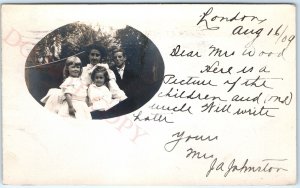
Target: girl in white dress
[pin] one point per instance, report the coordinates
(95, 54)
(74, 90)
(99, 94)
(55, 97)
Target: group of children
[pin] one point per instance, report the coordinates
(85, 89)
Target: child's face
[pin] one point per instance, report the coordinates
(119, 59)
(94, 56)
(74, 70)
(99, 79)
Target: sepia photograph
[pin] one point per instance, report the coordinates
(85, 72)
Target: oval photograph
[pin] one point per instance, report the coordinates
(85, 71)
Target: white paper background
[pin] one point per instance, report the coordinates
(50, 150)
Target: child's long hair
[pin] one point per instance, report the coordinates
(70, 61)
(101, 70)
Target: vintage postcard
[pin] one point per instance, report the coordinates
(149, 94)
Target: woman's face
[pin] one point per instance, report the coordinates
(94, 57)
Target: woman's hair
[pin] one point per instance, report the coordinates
(101, 70)
(98, 47)
(70, 61)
